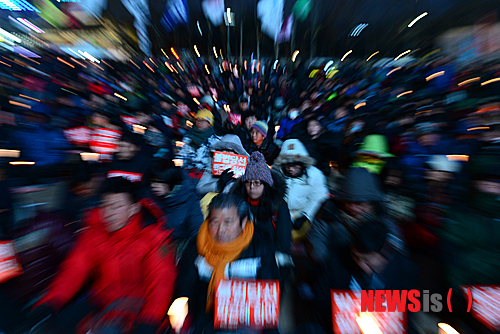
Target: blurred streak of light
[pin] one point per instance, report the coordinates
(416, 19)
(258, 67)
(182, 68)
(404, 93)
(347, 53)
(435, 75)
(421, 112)
(179, 144)
(17, 163)
(206, 69)
(151, 60)
(196, 50)
(120, 96)
(213, 97)
(457, 157)
(76, 54)
(99, 67)
(178, 162)
(134, 63)
(29, 97)
(65, 62)
(30, 25)
(394, 70)
(149, 67)
(230, 67)
(196, 101)
(490, 81)
(431, 53)
(164, 54)
(402, 54)
(107, 64)
(89, 156)
(20, 63)
(215, 52)
(224, 65)
(465, 82)
(277, 128)
(29, 59)
(367, 324)
(76, 61)
(199, 28)
(245, 65)
(20, 104)
(9, 153)
(8, 47)
(446, 329)
(10, 36)
(221, 56)
(359, 105)
(275, 63)
(189, 124)
(69, 91)
(294, 56)
(174, 53)
(493, 108)
(479, 128)
(168, 65)
(1, 62)
(373, 54)
(140, 129)
(228, 14)
(358, 29)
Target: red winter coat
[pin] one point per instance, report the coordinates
(132, 262)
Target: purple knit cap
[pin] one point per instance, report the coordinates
(257, 169)
(261, 127)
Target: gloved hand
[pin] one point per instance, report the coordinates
(144, 329)
(297, 223)
(224, 178)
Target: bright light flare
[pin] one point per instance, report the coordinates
(435, 75)
(373, 54)
(137, 128)
(206, 69)
(359, 105)
(457, 157)
(465, 82)
(367, 324)
(14, 103)
(294, 56)
(147, 65)
(196, 50)
(215, 52)
(21, 163)
(446, 329)
(490, 81)
(174, 53)
(416, 19)
(196, 101)
(77, 62)
(402, 54)
(65, 62)
(404, 93)
(347, 53)
(89, 156)
(30, 25)
(120, 96)
(134, 63)
(9, 36)
(394, 70)
(228, 13)
(9, 153)
(29, 97)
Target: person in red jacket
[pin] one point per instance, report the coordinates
(129, 270)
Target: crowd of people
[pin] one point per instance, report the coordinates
(368, 178)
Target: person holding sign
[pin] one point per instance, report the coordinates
(128, 268)
(228, 246)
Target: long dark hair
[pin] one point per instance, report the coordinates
(272, 198)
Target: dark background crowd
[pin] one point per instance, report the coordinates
(368, 178)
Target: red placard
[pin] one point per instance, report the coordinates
(235, 162)
(9, 264)
(346, 310)
(78, 136)
(234, 118)
(193, 90)
(105, 142)
(485, 304)
(253, 304)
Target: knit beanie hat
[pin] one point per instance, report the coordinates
(257, 169)
(261, 127)
(206, 115)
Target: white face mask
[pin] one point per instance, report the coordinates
(293, 114)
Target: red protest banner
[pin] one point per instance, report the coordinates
(485, 301)
(234, 118)
(78, 136)
(235, 162)
(253, 304)
(9, 264)
(105, 142)
(348, 318)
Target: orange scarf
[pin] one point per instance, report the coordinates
(218, 255)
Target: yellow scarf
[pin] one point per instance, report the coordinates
(219, 254)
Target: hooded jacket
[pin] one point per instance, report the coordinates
(182, 209)
(134, 262)
(306, 193)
